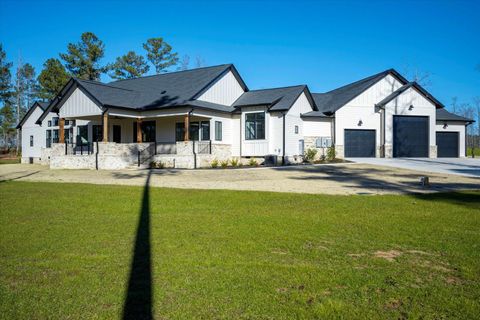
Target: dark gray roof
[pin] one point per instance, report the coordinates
(444, 115)
(404, 88)
(315, 114)
(277, 99)
(43, 105)
(331, 101)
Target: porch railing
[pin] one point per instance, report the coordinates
(202, 147)
(166, 148)
(81, 148)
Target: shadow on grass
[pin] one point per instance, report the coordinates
(138, 299)
(20, 177)
(466, 198)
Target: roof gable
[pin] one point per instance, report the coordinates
(31, 111)
(329, 102)
(404, 88)
(444, 115)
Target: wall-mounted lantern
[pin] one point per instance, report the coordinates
(360, 122)
(410, 108)
(445, 125)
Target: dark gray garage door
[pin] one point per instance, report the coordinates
(359, 143)
(447, 144)
(410, 136)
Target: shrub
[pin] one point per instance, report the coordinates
(234, 162)
(214, 163)
(323, 158)
(310, 154)
(331, 153)
(157, 165)
(224, 163)
(252, 162)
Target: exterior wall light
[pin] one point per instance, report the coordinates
(445, 125)
(410, 108)
(360, 122)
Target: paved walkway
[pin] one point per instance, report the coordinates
(348, 178)
(467, 167)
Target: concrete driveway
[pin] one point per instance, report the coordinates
(467, 167)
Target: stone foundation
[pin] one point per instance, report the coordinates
(339, 152)
(433, 152)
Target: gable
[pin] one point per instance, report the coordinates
(301, 105)
(377, 92)
(409, 97)
(224, 91)
(31, 118)
(78, 104)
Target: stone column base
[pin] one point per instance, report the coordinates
(433, 152)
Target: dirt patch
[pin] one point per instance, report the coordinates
(393, 304)
(356, 255)
(388, 255)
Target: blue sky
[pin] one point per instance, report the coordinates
(272, 43)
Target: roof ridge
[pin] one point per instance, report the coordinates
(98, 83)
(172, 72)
(362, 80)
(298, 85)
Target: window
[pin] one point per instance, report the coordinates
(205, 130)
(55, 121)
(194, 131)
(49, 139)
(66, 122)
(179, 131)
(97, 133)
(148, 131)
(72, 122)
(31, 141)
(218, 130)
(55, 136)
(68, 135)
(49, 123)
(296, 129)
(255, 126)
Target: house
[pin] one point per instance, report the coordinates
(187, 119)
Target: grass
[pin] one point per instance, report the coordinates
(9, 160)
(66, 252)
(476, 152)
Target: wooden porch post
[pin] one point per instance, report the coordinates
(105, 127)
(61, 130)
(139, 130)
(187, 127)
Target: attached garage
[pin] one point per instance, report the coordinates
(448, 144)
(410, 136)
(359, 143)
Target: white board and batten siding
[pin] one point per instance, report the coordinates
(401, 106)
(258, 148)
(29, 128)
(362, 109)
(79, 105)
(225, 91)
(293, 119)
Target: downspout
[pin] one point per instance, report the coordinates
(283, 142)
(240, 134)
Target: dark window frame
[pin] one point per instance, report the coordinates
(257, 122)
(218, 131)
(296, 129)
(31, 141)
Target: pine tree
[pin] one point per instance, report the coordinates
(83, 58)
(128, 66)
(52, 79)
(5, 76)
(160, 54)
(7, 123)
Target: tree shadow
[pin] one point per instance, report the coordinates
(138, 299)
(20, 177)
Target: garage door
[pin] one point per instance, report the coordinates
(410, 136)
(359, 143)
(447, 144)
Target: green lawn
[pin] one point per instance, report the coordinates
(66, 252)
(9, 161)
(476, 152)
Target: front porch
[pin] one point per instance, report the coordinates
(117, 142)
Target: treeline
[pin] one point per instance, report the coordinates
(20, 87)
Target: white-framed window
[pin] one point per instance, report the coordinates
(31, 141)
(255, 126)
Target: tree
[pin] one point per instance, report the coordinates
(199, 62)
(160, 54)
(7, 123)
(82, 59)
(25, 92)
(128, 66)
(184, 63)
(454, 104)
(5, 76)
(52, 79)
(421, 77)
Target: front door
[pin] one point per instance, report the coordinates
(82, 135)
(117, 133)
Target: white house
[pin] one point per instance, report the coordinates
(189, 118)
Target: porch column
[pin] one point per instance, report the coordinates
(139, 130)
(187, 128)
(105, 127)
(61, 130)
